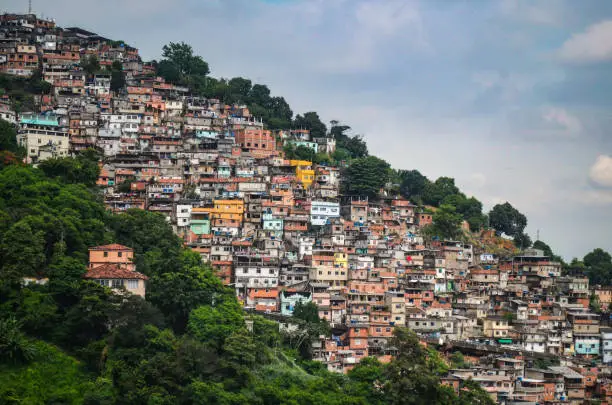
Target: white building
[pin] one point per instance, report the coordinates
(42, 137)
(255, 275)
(183, 215)
(606, 345)
(305, 246)
(322, 211)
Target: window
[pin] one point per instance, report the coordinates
(116, 283)
(105, 254)
(119, 254)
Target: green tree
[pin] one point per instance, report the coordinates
(597, 257)
(14, 346)
(522, 241)
(90, 64)
(354, 146)
(507, 219)
(213, 324)
(367, 176)
(82, 169)
(408, 378)
(368, 376)
(22, 251)
(446, 222)
(259, 94)
(413, 184)
(471, 393)
(177, 294)
(311, 122)
(594, 303)
(435, 193)
(181, 55)
(169, 71)
(301, 152)
(458, 360)
(51, 377)
(117, 77)
(307, 312)
(597, 265)
(239, 90)
(157, 249)
(538, 244)
(240, 356)
(8, 139)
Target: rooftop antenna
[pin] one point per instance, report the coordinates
(29, 6)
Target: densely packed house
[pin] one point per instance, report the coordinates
(279, 232)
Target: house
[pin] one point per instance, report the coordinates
(116, 254)
(43, 137)
(606, 345)
(113, 266)
(289, 298)
(495, 327)
(115, 277)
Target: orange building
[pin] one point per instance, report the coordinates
(119, 255)
(112, 266)
(259, 141)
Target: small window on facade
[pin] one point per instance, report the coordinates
(105, 254)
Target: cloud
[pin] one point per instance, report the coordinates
(486, 78)
(544, 123)
(560, 118)
(592, 45)
(532, 11)
(363, 37)
(601, 171)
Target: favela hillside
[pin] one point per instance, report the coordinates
(172, 237)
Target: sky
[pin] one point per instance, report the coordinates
(511, 97)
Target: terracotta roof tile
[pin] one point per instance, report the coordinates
(112, 246)
(110, 271)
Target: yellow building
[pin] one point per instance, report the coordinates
(229, 207)
(341, 260)
(303, 172)
(224, 212)
(295, 163)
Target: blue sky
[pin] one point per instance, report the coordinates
(510, 97)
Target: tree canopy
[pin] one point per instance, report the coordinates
(507, 219)
(447, 222)
(311, 122)
(367, 176)
(181, 56)
(597, 265)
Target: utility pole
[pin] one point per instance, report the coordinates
(29, 6)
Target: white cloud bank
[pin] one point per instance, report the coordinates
(601, 171)
(592, 45)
